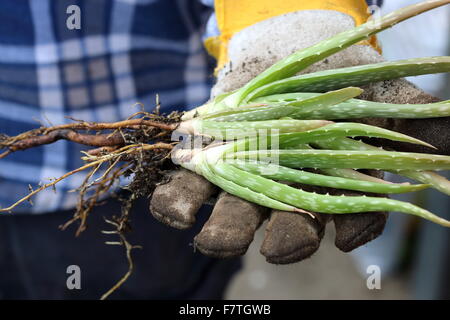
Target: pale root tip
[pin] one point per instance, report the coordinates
(297, 210)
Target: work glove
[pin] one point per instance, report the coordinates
(290, 237)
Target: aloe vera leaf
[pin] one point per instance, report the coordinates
(286, 97)
(356, 108)
(365, 109)
(345, 129)
(287, 140)
(241, 191)
(344, 173)
(274, 171)
(253, 113)
(323, 81)
(243, 109)
(252, 144)
(304, 58)
(381, 160)
(344, 144)
(236, 130)
(436, 181)
(317, 202)
(352, 174)
(204, 109)
(425, 177)
(257, 113)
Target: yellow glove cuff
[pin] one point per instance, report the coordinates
(235, 15)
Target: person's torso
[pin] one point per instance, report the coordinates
(51, 71)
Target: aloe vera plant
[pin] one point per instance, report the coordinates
(279, 124)
(359, 75)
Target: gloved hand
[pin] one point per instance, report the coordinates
(289, 237)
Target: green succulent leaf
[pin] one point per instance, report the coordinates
(276, 172)
(427, 177)
(241, 191)
(353, 76)
(381, 160)
(355, 108)
(277, 111)
(352, 174)
(302, 59)
(242, 129)
(342, 173)
(438, 182)
(317, 202)
(345, 129)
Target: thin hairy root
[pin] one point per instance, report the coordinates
(5, 154)
(101, 151)
(128, 248)
(48, 185)
(112, 156)
(82, 209)
(129, 149)
(102, 186)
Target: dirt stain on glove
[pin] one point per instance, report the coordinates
(176, 202)
(231, 227)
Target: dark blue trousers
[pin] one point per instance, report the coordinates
(35, 254)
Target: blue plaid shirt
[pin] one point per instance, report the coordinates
(126, 51)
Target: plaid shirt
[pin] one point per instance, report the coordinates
(126, 51)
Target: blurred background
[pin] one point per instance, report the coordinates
(413, 255)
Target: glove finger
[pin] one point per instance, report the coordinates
(356, 229)
(292, 237)
(433, 130)
(176, 202)
(231, 227)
